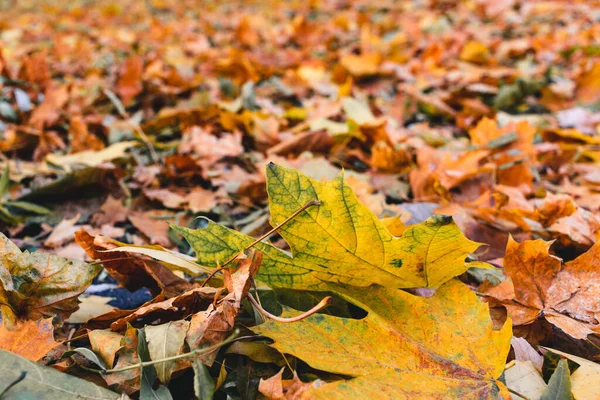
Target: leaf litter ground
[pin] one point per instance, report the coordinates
(300, 200)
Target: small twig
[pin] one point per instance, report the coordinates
(73, 339)
(172, 358)
(288, 219)
(263, 237)
(110, 259)
(593, 344)
(13, 383)
(147, 142)
(322, 304)
(255, 290)
(68, 341)
(518, 394)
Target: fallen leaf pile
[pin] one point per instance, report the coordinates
(300, 200)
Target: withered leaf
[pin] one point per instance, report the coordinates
(29, 339)
(36, 285)
(564, 294)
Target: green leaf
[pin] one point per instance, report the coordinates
(551, 361)
(339, 241)
(204, 385)
(216, 244)
(249, 97)
(66, 184)
(147, 392)
(24, 205)
(4, 181)
(502, 140)
(8, 217)
(559, 386)
(44, 382)
(88, 354)
(585, 380)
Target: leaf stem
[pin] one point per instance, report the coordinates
(518, 394)
(263, 237)
(322, 304)
(73, 338)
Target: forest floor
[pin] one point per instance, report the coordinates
(377, 144)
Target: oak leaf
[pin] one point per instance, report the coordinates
(407, 346)
(338, 241)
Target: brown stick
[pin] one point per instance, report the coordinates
(288, 219)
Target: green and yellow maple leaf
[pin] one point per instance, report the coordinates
(407, 347)
(339, 241)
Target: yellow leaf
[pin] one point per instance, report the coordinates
(105, 343)
(91, 158)
(361, 65)
(475, 52)
(407, 347)
(525, 379)
(340, 241)
(394, 225)
(357, 111)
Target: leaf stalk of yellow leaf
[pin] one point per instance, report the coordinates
(322, 304)
(263, 237)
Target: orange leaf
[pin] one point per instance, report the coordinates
(29, 339)
(565, 294)
(129, 84)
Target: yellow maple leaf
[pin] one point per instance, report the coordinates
(339, 241)
(407, 347)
